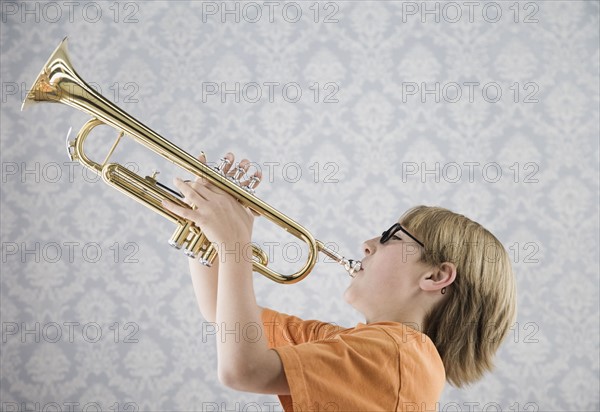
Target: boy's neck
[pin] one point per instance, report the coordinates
(415, 322)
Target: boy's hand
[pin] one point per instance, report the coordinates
(220, 216)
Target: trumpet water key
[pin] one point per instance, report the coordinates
(58, 82)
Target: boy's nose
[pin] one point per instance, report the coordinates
(369, 246)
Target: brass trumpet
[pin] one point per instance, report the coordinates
(58, 82)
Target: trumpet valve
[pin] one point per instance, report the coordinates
(221, 167)
(254, 180)
(208, 256)
(239, 172)
(196, 244)
(180, 236)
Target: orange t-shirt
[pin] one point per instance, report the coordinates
(383, 366)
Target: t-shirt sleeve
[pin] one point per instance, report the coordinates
(282, 329)
(337, 371)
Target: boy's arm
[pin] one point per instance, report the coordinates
(204, 280)
(245, 361)
(261, 370)
(267, 375)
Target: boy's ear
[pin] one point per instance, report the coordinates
(439, 277)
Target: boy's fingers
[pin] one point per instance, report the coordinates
(229, 170)
(191, 194)
(205, 189)
(256, 177)
(201, 180)
(242, 167)
(230, 158)
(178, 210)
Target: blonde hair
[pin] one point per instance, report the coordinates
(468, 326)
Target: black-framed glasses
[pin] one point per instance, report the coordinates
(387, 235)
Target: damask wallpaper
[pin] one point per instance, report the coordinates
(354, 112)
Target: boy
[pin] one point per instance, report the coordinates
(436, 290)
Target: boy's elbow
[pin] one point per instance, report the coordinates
(228, 378)
(263, 375)
(234, 378)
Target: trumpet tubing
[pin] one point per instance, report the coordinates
(59, 82)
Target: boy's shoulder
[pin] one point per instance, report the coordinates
(400, 334)
(412, 346)
(382, 335)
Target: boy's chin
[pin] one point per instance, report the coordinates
(349, 295)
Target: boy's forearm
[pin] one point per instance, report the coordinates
(204, 280)
(242, 344)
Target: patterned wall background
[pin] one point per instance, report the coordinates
(355, 111)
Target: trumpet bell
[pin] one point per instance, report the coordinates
(45, 90)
